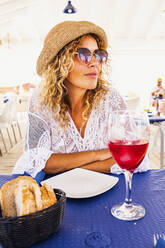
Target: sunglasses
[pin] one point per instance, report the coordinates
(85, 55)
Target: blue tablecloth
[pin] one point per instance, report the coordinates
(85, 216)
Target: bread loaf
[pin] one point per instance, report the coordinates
(23, 196)
(24, 200)
(48, 196)
(7, 199)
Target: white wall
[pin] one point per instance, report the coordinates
(138, 72)
(18, 64)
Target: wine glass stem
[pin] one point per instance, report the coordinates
(128, 182)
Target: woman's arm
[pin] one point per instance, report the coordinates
(62, 162)
(100, 166)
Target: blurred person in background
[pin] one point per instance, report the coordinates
(28, 86)
(158, 93)
(16, 89)
(159, 90)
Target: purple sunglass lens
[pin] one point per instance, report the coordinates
(101, 55)
(84, 55)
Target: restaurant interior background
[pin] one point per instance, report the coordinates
(136, 32)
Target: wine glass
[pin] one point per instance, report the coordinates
(128, 134)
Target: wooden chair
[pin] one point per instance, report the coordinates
(133, 101)
(8, 120)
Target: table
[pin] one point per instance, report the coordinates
(157, 121)
(85, 216)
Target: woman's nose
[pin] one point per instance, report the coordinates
(93, 61)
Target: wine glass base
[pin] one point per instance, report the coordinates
(124, 211)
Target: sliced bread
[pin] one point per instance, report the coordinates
(23, 196)
(48, 196)
(10, 204)
(25, 200)
(8, 199)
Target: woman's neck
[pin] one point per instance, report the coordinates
(76, 103)
(76, 100)
(75, 97)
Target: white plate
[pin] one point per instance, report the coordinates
(81, 183)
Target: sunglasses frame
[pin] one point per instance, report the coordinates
(88, 57)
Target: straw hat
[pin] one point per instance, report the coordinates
(62, 34)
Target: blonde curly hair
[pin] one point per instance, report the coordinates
(53, 92)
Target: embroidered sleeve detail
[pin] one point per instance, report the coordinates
(32, 161)
(37, 147)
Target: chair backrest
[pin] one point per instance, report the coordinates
(23, 104)
(14, 98)
(133, 102)
(9, 109)
(1, 103)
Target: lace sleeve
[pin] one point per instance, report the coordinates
(37, 147)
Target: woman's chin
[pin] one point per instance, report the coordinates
(92, 84)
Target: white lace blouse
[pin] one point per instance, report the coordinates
(45, 136)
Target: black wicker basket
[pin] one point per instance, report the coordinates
(23, 231)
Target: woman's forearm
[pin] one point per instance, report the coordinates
(100, 166)
(62, 162)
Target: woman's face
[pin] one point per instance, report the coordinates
(83, 75)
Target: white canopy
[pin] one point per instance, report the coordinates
(135, 28)
(129, 23)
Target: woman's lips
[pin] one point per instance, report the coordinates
(92, 75)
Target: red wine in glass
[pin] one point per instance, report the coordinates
(128, 154)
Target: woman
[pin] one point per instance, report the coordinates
(69, 113)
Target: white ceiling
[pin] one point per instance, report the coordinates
(128, 23)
